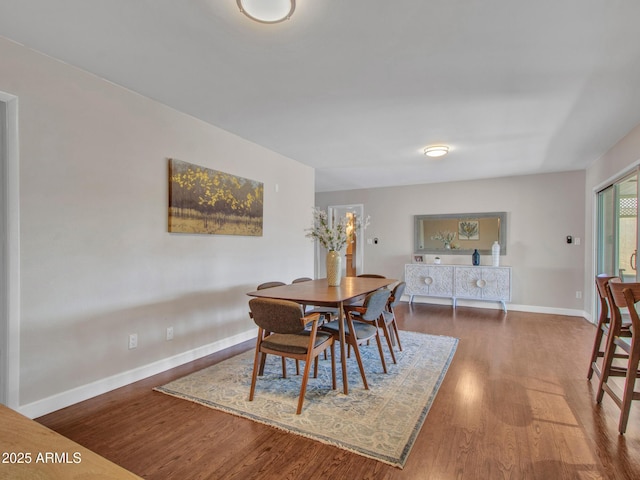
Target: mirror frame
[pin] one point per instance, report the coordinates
(502, 233)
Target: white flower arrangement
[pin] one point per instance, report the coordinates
(444, 236)
(333, 238)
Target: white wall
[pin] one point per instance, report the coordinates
(541, 211)
(96, 260)
(619, 159)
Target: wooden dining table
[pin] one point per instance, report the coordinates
(319, 293)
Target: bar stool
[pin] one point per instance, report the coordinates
(604, 323)
(622, 295)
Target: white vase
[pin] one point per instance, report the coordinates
(334, 268)
(495, 254)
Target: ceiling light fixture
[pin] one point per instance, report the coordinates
(436, 150)
(267, 11)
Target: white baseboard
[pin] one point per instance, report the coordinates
(570, 312)
(79, 394)
(497, 306)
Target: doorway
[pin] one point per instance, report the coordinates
(9, 253)
(353, 260)
(4, 323)
(617, 242)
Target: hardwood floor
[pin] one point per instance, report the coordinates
(515, 404)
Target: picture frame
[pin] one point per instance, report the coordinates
(207, 201)
(469, 230)
(417, 258)
(428, 231)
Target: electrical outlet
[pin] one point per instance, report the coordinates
(133, 341)
(578, 294)
(169, 333)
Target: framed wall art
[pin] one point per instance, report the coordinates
(202, 200)
(469, 230)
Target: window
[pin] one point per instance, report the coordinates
(617, 242)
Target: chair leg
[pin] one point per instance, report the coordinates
(629, 388)
(595, 353)
(397, 334)
(387, 336)
(256, 368)
(303, 386)
(392, 334)
(263, 359)
(333, 365)
(384, 364)
(284, 367)
(607, 361)
(356, 350)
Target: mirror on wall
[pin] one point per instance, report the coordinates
(460, 233)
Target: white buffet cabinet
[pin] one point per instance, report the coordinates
(459, 281)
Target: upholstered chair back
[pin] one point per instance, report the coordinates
(277, 316)
(397, 293)
(375, 303)
(262, 286)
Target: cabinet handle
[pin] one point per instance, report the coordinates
(428, 280)
(481, 283)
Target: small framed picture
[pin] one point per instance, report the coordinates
(469, 230)
(418, 259)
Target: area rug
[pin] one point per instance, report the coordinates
(380, 423)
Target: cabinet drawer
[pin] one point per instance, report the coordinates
(429, 280)
(487, 283)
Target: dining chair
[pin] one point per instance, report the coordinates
(622, 295)
(363, 324)
(387, 321)
(282, 331)
(328, 312)
(603, 327)
(264, 285)
(389, 324)
(358, 301)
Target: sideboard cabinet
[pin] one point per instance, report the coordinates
(459, 281)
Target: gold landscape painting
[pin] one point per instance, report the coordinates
(202, 200)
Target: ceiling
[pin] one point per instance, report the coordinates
(358, 88)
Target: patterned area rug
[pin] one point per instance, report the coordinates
(380, 423)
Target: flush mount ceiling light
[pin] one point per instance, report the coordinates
(267, 11)
(436, 150)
